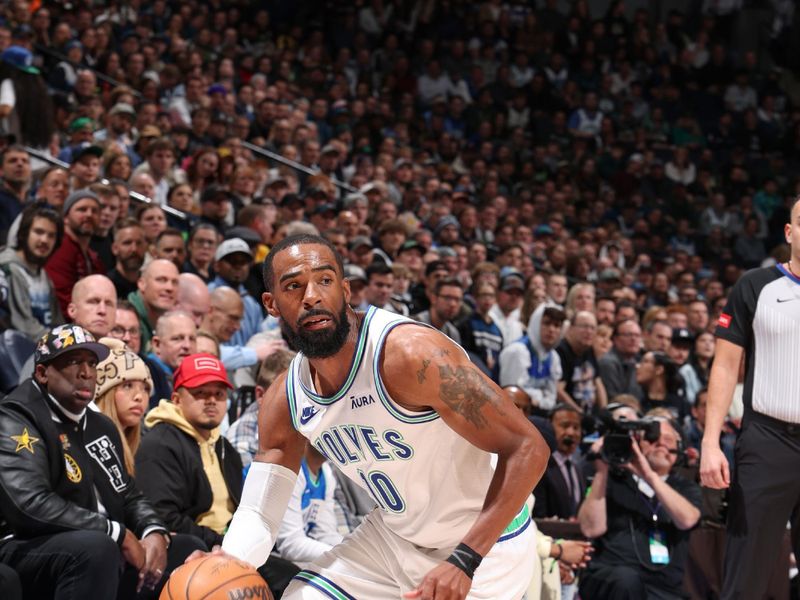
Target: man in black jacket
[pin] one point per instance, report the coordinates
(73, 515)
(192, 474)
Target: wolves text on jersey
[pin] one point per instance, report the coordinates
(345, 444)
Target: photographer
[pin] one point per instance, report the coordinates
(641, 514)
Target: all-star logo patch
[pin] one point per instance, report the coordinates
(25, 441)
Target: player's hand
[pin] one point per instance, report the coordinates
(638, 464)
(215, 551)
(714, 469)
(268, 348)
(444, 582)
(132, 550)
(155, 561)
(576, 554)
(599, 463)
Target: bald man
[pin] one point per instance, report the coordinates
(156, 294)
(175, 338)
(93, 305)
(227, 311)
(193, 297)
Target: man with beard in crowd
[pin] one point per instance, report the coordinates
(32, 304)
(432, 421)
(74, 259)
(129, 248)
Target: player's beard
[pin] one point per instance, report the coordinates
(318, 344)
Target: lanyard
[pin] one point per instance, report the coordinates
(652, 508)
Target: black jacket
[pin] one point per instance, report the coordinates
(552, 494)
(170, 469)
(49, 470)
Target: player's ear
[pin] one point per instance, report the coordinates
(268, 300)
(346, 290)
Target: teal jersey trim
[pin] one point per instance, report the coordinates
(354, 365)
(324, 585)
(394, 410)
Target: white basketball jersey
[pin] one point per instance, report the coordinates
(429, 482)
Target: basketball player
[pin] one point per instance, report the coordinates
(401, 410)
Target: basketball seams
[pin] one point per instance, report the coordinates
(229, 581)
(189, 579)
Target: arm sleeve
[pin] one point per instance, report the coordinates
(29, 504)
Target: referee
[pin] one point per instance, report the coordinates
(762, 321)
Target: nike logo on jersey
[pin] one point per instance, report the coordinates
(780, 300)
(307, 414)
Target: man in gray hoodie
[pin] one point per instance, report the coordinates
(32, 303)
(532, 362)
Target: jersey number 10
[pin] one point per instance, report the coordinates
(383, 491)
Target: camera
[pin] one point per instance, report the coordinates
(618, 436)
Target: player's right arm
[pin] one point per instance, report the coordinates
(270, 481)
(714, 468)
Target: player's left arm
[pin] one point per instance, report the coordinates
(427, 370)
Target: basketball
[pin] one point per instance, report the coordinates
(215, 578)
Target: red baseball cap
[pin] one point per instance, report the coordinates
(198, 369)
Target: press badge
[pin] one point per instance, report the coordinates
(659, 553)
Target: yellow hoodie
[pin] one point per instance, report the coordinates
(221, 511)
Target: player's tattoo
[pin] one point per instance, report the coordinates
(421, 372)
(466, 392)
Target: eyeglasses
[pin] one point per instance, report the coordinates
(201, 242)
(122, 331)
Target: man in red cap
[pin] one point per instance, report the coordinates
(188, 470)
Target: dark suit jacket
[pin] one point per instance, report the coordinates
(552, 493)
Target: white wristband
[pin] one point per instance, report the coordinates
(255, 524)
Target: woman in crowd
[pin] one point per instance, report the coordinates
(117, 165)
(53, 187)
(695, 372)
(203, 242)
(203, 170)
(122, 394)
(181, 198)
(662, 385)
(153, 220)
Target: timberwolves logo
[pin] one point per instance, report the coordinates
(73, 470)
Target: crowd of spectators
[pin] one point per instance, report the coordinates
(568, 193)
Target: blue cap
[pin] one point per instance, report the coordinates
(19, 58)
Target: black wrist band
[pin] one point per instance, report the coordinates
(560, 551)
(466, 559)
